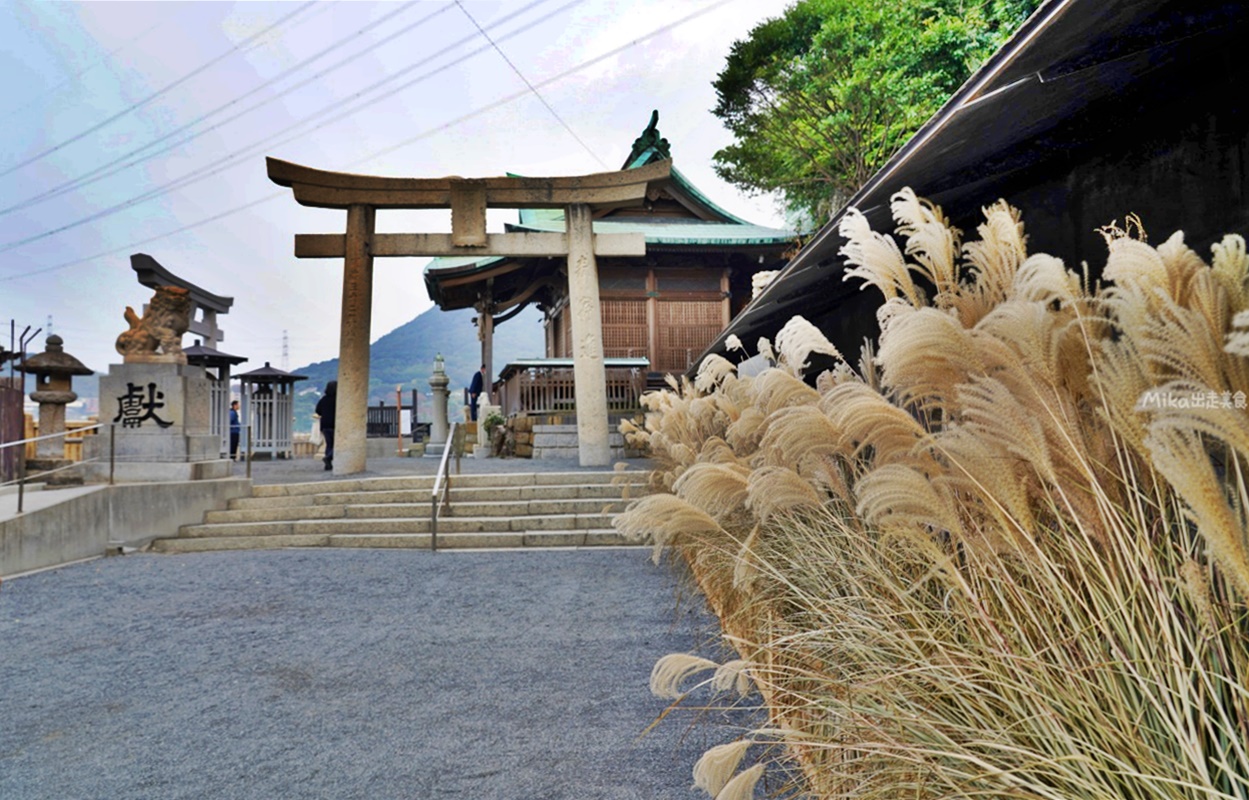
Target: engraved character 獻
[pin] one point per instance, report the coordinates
(133, 409)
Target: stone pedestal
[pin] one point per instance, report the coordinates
(161, 417)
(51, 421)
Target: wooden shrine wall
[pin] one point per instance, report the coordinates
(668, 315)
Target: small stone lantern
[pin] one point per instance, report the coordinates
(438, 382)
(53, 370)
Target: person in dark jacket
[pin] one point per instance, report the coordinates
(474, 391)
(325, 410)
(236, 427)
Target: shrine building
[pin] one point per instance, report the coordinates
(635, 270)
(659, 310)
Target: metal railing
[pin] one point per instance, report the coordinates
(442, 480)
(22, 478)
(20, 481)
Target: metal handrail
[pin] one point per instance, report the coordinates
(442, 483)
(20, 481)
(74, 432)
(21, 462)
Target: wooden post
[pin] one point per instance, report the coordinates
(652, 319)
(485, 329)
(353, 349)
(589, 372)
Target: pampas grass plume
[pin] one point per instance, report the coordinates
(663, 518)
(718, 764)
(742, 787)
(733, 676)
(670, 670)
(712, 371)
(779, 490)
(798, 339)
(717, 489)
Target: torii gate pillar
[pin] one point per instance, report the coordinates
(350, 429)
(589, 372)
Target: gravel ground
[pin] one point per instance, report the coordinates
(349, 674)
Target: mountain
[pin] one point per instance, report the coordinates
(405, 357)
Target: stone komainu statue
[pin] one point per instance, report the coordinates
(167, 317)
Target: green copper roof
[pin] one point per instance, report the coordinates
(683, 232)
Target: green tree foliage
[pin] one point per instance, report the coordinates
(820, 97)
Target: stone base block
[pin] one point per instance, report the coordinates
(159, 471)
(59, 471)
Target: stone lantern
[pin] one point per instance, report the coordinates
(438, 432)
(53, 370)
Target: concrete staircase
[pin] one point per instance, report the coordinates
(486, 510)
(560, 441)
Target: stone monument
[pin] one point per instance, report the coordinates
(159, 406)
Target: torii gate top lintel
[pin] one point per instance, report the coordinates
(324, 189)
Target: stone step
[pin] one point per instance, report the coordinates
(394, 524)
(565, 492)
(206, 544)
(486, 510)
(504, 494)
(571, 452)
(274, 513)
(593, 537)
(556, 429)
(614, 441)
(516, 508)
(425, 482)
(458, 494)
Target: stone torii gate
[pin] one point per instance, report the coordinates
(362, 195)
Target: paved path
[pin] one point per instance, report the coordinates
(347, 674)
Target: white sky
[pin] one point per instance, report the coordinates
(182, 103)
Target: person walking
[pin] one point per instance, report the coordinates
(325, 410)
(474, 391)
(236, 427)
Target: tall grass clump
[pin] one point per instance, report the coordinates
(1006, 555)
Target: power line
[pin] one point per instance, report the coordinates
(425, 134)
(532, 88)
(545, 82)
(231, 159)
(103, 171)
(246, 43)
(72, 78)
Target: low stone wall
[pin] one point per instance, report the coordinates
(72, 524)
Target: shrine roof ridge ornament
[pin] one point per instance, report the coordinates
(324, 189)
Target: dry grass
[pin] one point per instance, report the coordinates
(1000, 558)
